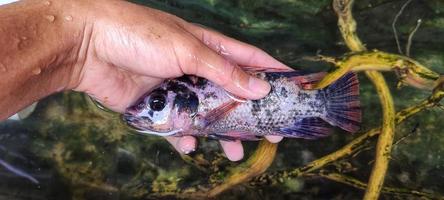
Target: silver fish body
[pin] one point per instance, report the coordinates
(195, 106)
(285, 104)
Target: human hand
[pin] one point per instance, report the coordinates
(128, 49)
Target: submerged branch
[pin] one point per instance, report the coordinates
(409, 71)
(410, 38)
(385, 141)
(254, 166)
(395, 31)
(347, 26)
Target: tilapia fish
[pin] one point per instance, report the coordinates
(194, 106)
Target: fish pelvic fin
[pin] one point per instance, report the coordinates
(342, 103)
(306, 128)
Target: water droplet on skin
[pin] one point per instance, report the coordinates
(36, 71)
(68, 18)
(50, 18)
(221, 50)
(47, 3)
(3, 68)
(17, 42)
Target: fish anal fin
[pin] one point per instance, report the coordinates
(307, 128)
(235, 135)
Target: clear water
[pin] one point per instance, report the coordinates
(77, 151)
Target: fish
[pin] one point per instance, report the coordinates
(195, 106)
(15, 170)
(18, 171)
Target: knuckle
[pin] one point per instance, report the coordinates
(188, 55)
(195, 48)
(230, 75)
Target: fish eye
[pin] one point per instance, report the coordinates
(157, 102)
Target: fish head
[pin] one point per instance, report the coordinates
(166, 111)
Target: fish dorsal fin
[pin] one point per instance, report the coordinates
(309, 80)
(307, 128)
(302, 78)
(217, 113)
(265, 69)
(305, 80)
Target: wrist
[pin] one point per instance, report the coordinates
(43, 41)
(70, 53)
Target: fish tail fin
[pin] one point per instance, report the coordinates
(342, 103)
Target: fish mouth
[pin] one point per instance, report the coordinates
(142, 127)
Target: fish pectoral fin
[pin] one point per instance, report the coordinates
(219, 112)
(307, 128)
(232, 136)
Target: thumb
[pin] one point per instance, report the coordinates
(198, 59)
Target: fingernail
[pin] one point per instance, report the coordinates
(235, 157)
(259, 86)
(274, 138)
(187, 145)
(188, 151)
